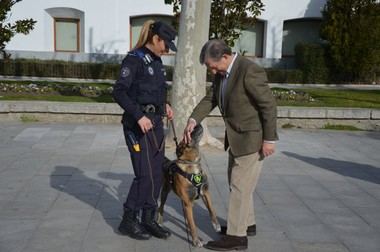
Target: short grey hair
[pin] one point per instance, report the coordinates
(214, 49)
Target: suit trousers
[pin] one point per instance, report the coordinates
(243, 174)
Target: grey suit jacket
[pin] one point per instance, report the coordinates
(249, 112)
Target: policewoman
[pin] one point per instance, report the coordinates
(141, 92)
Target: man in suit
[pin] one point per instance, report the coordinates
(249, 113)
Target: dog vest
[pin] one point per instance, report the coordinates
(196, 179)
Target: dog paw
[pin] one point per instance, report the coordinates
(198, 243)
(216, 227)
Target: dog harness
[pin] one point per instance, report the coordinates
(198, 180)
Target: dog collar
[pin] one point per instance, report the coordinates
(188, 162)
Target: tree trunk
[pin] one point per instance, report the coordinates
(189, 81)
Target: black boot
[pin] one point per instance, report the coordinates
(130, 226)
(149, 222)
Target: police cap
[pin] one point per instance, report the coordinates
(165, 32)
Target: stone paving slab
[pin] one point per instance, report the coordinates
(62, 187)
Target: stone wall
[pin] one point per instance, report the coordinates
(301, 117)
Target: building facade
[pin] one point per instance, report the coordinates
(101, 31)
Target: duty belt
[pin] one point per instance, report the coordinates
(150, 109)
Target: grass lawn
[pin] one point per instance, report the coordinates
(338, 98)
(50, 83)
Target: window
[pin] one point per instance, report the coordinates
(137, 23)
(67, 29)
(250, 42)
(66, 35)
(299, 30)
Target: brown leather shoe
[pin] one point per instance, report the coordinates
(228, 242)
(251, 230)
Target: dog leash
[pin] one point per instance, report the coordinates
(174, 134)
(183, 208)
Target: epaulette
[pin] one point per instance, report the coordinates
(144, 56)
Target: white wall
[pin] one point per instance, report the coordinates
(107, 29)
(106, 23)
(276, 11)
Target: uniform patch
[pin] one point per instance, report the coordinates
(150, 70)
(125, 72)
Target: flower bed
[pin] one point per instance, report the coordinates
(53, 89)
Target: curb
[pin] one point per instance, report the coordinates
(110, 113)
(114, 109)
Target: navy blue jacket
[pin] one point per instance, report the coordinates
(141, 81)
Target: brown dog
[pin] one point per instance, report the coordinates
(186, 178)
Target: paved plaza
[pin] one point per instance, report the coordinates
(62, 188)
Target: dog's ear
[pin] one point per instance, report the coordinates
(180, 148)
(197, 134)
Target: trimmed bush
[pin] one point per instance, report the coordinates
(310, 59)
(64, 69)
(54, 68)
(284, 75)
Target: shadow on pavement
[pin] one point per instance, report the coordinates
(93, 192)
(345, 168)
(201, 215)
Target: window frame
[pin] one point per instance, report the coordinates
(149, 16)
(296, 20)
(68, 20)
(262, 40)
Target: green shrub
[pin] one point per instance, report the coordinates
(310, 59)
(64, 69)
(55, 68)
(351, 30)
(284, 75)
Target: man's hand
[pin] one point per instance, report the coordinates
(267, 149)
(169, 112)
(191, 123)
(145, 124)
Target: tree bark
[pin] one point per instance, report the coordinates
(189, 81)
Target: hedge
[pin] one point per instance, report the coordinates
(54, 68)
(64, 69)
(311, 60)
(284, 75)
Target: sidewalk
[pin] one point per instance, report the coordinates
(62, 188)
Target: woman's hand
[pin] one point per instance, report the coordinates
(169, 112)
(145, 124)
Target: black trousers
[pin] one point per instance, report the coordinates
(147, 166)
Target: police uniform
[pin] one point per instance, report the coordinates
(141, 91)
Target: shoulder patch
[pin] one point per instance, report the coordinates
(125, 71)
(150, 70)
